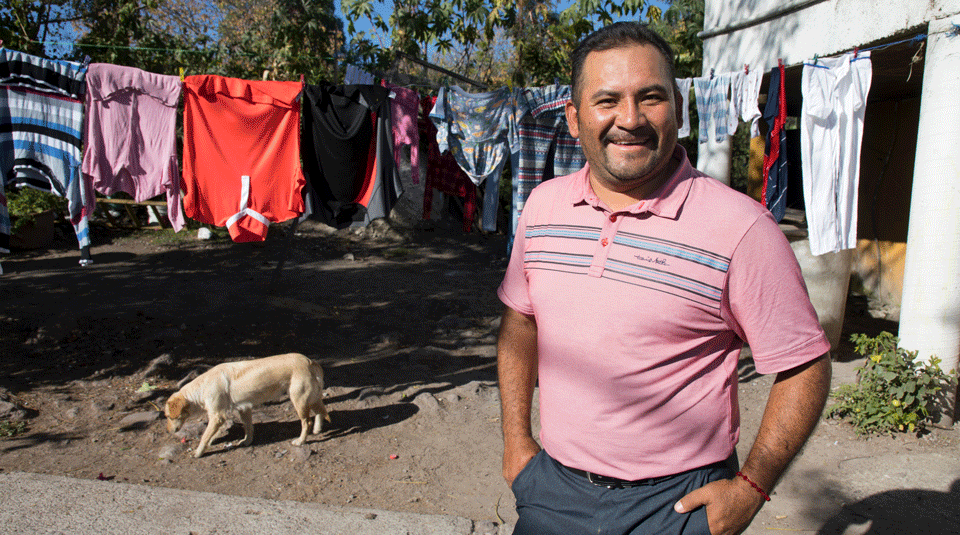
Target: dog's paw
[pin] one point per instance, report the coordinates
(297, 442)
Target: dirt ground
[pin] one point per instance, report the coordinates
(403, 322)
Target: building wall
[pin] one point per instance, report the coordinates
(886, 179)
(824, 28)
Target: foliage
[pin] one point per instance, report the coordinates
(530, 39)
(894, 392)
(12, 429)
(282, 40)
(141, 34)
(25, 22)
(679, 25)
(24, 203)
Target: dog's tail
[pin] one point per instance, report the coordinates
(317, 373)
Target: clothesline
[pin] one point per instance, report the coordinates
(164, 49)
(919, 38)
(250, 54)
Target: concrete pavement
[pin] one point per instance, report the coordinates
(870, 495)
(43, 504)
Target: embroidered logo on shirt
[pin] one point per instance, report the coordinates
(660, 261)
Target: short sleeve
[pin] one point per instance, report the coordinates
(514, 291)
(766, 301)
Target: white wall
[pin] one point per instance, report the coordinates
(824, 29)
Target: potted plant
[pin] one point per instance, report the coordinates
(33, 214)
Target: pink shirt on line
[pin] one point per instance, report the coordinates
(131, 134)
(641, 315)
(404, 106)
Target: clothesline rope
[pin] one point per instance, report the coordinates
(155, 49)
(919, 38)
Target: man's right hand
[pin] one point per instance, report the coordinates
(516, 456)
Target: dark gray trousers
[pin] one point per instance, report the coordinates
(551, 500)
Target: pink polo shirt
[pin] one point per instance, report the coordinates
(641, 315)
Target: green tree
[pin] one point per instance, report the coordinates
(679, 25)
(25, 23)
(285, 39)
(528, 40)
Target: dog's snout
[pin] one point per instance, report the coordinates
(174, 425)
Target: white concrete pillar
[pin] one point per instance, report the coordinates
(713, 159)
(930, 314)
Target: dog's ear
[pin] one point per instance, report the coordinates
(175, 406)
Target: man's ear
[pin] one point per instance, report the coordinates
(572, 117)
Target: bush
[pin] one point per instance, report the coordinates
(894, 392)
(24, 203)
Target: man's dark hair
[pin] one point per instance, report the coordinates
(616, 35)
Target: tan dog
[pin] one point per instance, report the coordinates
(241, 385)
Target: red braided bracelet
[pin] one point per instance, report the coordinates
(754, 485)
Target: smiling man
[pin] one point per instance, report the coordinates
(632, 287)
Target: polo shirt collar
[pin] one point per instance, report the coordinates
(665, 202)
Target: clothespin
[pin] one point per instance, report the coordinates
(302, 78)
(86, 61)
(780, 62)
(816, 58)
(711, 74)
(856, 52)
(746, 68)
(181, 74)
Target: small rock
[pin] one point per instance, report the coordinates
(451, 397)
(100, 406)
(370, 516)
(12, 411)
(280, 454)
(190, 430)
(204, 233)
(427, 403)
(370, 392)
(139, 419)
(72, 413)
(349, 257)
(171, 451)
(300, 454)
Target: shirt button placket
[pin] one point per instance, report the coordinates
(602, 250)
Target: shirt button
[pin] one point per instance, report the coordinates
(613, 218)
(604, 242)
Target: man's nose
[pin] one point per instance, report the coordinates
(631, 116)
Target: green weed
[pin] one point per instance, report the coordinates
(12, 429)
(894, 392)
